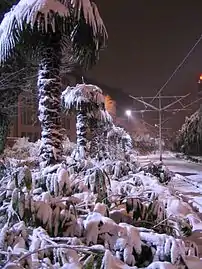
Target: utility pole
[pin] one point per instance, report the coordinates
(160, 130)
(160, 109)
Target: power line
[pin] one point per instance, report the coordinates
(160, 109)
(177, 68)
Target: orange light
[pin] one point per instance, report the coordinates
(200, 77)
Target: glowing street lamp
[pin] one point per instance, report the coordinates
(128, 113)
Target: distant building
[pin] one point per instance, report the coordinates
(26, 123)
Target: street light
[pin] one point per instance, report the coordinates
(128, 113)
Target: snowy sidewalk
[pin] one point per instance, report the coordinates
(187, 183)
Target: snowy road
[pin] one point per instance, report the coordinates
(180, 166)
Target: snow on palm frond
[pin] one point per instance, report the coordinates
(98, 97)
(42, 13)
(91, 15)
(80, 95)
(105, 117)
(27, 12)
(74, 97)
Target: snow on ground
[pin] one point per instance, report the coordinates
(187, 183)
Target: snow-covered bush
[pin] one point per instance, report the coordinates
(189, 137)
(23, 149)
(145, 144)
(158, 170)
(119, 142)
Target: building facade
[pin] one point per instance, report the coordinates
(26, 124)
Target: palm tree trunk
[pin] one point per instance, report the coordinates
(49, 90)
(4, 129)
(106, 145)
(94, 137)
(81, 134)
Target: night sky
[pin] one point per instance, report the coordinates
(147, 40)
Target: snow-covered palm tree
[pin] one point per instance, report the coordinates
(49, 26)
(99, 124)
(86, 101)
(119, 140)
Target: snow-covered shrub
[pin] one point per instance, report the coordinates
(145, 144)
(97, 181)
(92, 213)
(158, 170)
(119, 142)
(189, 137)
(23, 149)
(119, 168)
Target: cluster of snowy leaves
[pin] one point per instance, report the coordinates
(93, 214)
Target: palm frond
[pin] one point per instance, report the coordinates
(82, 95)
(79, 19)
(89, 34)
(27, 13)
(85, 45)
(89, 11)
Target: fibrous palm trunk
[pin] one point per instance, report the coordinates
(81, 134)
(4, 129)
(94, 137)
(49, 90)
(98, 146)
